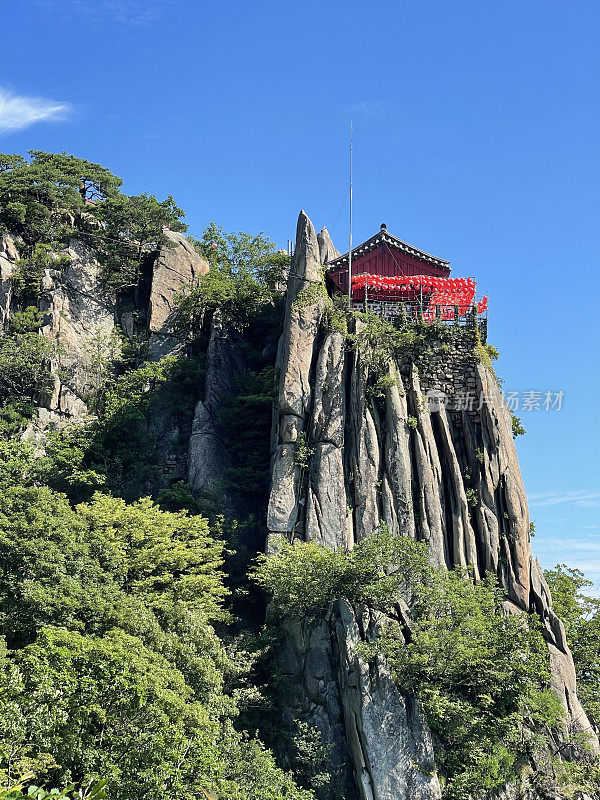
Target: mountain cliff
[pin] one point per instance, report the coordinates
(377, 453)
(371, 430)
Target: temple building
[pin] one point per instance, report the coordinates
(393, 278)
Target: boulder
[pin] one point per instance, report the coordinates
(176, 267)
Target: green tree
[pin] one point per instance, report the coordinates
(29, 271)
(25, 375)
(133, 225)
(242, 253)
(120, 449)
(580, 613)
(36, 195)
(114, 668)
(244, 271)
(482, 675)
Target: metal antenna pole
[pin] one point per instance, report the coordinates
(350, 234)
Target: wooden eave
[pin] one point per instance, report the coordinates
(384, 237)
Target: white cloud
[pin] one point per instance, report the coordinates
(18, 111)
(579, 497)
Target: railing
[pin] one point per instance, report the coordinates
(413, 310)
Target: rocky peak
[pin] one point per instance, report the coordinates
(327, 252)
(450, 478)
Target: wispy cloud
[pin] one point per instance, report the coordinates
(578, 497)
(368, 108)
(136, 13)
(19, 111)
(579, 551)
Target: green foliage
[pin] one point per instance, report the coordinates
(242, 253)
(517, 427)
(310, 294)
(303, 578)
(146, 552)
(24, 365)
(36, 195)
(312, 759)
(246, 421)
(580, 613)
(378, 342)
(95, 791)
(132, 226)
(482, 675)
(29, 271)
(412, 423)
(335, 318)
(27, 321)
(24, 375)
(119, 450)
(44, 199)
(244, 270)
(486, 353)
(303, 451)
(472, 496)
(114, 668)
(492, 352)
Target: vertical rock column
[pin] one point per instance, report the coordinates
(303, 311)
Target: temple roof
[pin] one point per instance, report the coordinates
(384, 237)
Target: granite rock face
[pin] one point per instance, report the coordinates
(390, 743)
(177, 265)
(327, 251)
(8, 256)
(79, 316)
(208, 460)
(448, 476)
(303, 311)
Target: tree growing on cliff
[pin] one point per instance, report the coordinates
(482, 675)
(132, 226)
(580, 613)
(245, 270)
(37, 194)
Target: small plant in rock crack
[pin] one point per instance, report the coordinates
(303, 452)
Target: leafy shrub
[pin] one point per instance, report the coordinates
(580, 613)
(246, 421)
(30, 271)
(517, 427)
(27, 321)
(114, 668)
(244, 271)
(25, 375)
(482, 675)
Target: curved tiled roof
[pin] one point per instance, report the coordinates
(384, 237)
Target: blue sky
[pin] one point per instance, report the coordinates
(476, 138)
